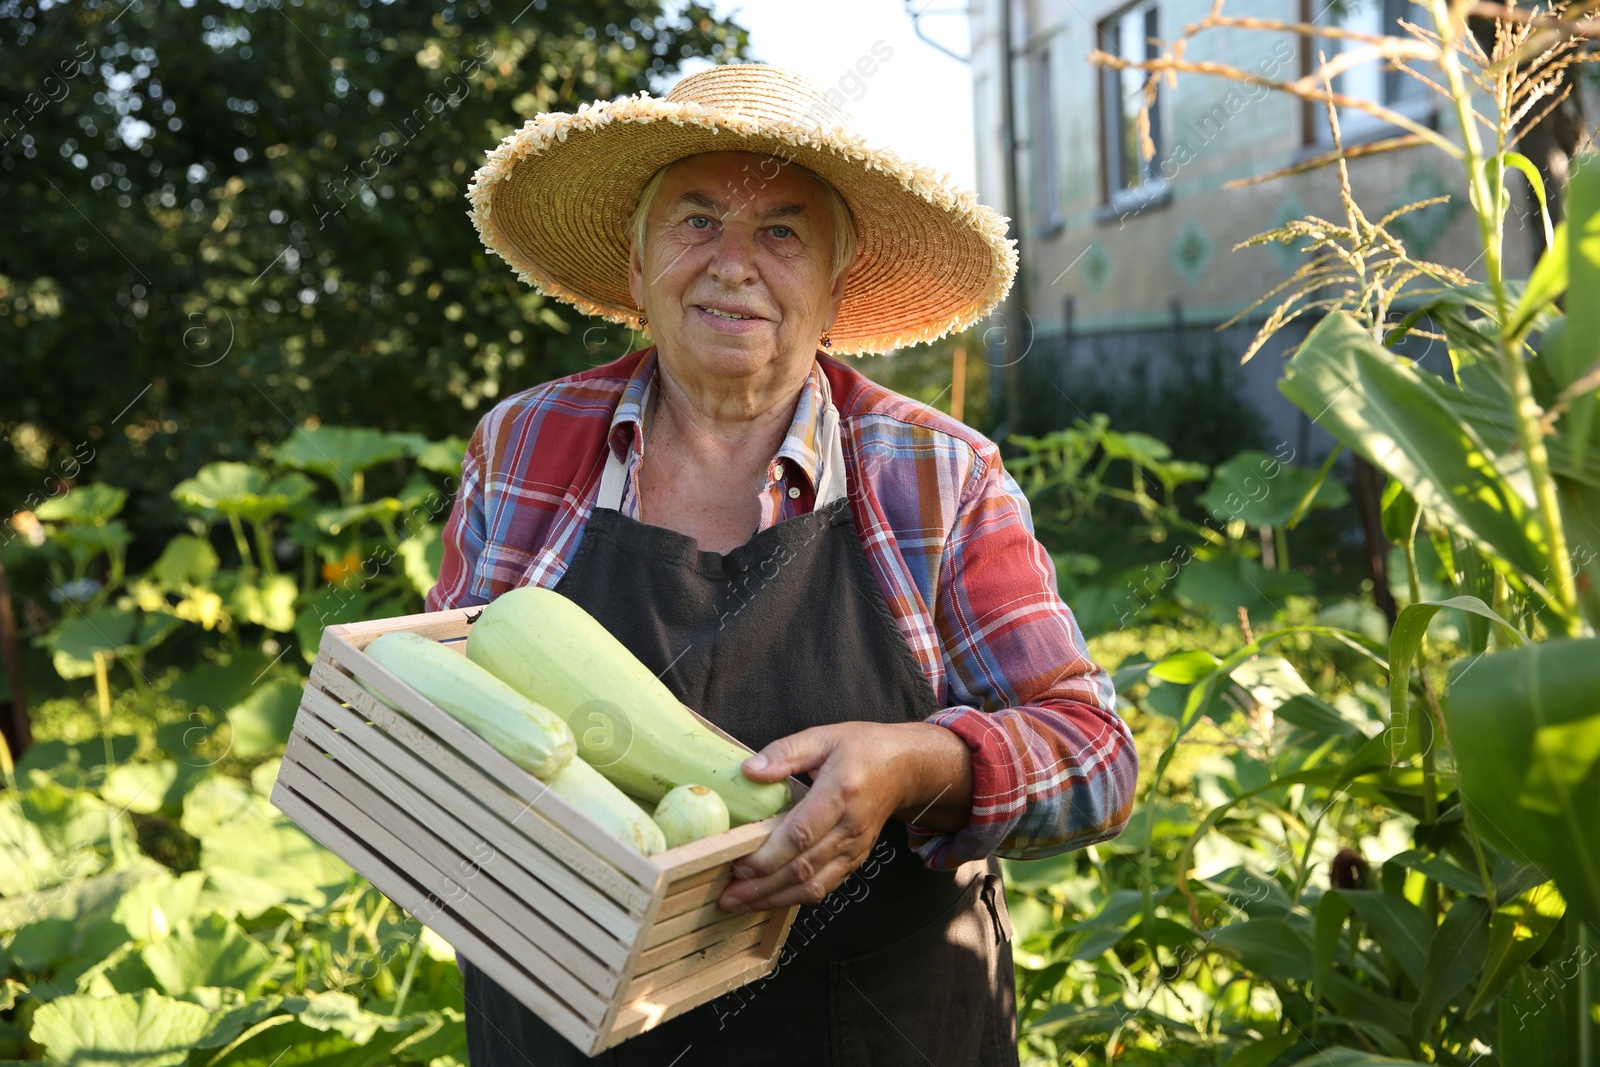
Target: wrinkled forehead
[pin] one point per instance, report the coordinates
(741, 181)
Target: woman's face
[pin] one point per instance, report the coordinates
(734, 270)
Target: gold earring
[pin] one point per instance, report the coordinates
(643, 320)
(827, 342)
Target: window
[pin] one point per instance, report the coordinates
(1373, 80)
(1130, 179)
(1046, 179)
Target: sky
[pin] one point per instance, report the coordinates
(917, 102)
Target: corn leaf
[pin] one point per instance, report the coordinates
(1383, 410)
(1525, 726)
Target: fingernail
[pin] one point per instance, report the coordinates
(757, 762)
(738, 907)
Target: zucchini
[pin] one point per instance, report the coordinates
(626, 722)
(587, 790)
(532, 737)
(689, 813)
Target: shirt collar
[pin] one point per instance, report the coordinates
(810, 442)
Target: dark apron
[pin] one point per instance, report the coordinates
(899, 965)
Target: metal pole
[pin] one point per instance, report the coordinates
(1015, 311)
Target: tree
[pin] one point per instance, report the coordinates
(220, 220)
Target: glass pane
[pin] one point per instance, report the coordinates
(1366, 80)
(1131, 43)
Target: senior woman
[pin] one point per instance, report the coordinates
(841, 577)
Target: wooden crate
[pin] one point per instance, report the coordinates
(598, 941)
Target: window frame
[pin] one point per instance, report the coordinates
(1398, 91)
(1152, 189)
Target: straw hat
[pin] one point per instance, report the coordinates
(554, 198)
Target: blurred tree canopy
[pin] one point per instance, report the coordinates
(221, 219)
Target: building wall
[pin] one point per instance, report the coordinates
(1108, 286)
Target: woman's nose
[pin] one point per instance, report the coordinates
(733, 262)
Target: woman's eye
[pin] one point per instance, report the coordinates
(699, 222)
(782, 232)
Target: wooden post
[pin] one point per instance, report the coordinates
(958, 383)
(14, 723)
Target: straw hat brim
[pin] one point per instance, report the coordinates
(554, 199)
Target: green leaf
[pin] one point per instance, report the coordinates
(1397, 925)
(1270, 948)
(74, 644)
(260, 861)
(1349, 1057)
(211, 951)
(334, 521)
(1539, 1015)
(443, 457)
(174, 898)
(229, 1022)
(269, 603)
(1440, 870)
(1545, 285)
(1410, 627)
(294, 1044)
(1400, 513)
(338, 452)
(262, 721)
(89, 895)
(1516, 931)
(1332, 912)
(1185, 668)
(27, 862)
(140, 1030)
(140, 787)
(39, 946)
(1383, 410)
(1521, 723)
(186, 560)
(1576, 354)
(241, 490)
(94, 505)
(1264, 1052)
(219, 686)
(1227, 583)
(1262, 490)
(422, 555)
(215, 801)
(1455, 958)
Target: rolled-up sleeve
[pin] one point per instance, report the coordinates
(464, 537)
(1053, 766)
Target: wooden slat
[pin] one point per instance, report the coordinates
(710, 874)
(585, 912)
(573, 939)
(435, 625)
(692, 897)
(479, 752)
(651, 1010)
(459, 932)
(772, 943)
(740, 944)
(702, 940)
(483, 902)
(511, 807)
(710, 852)
(667, 928)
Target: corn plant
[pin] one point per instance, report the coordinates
(1475, 944)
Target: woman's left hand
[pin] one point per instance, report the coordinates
(862, 774)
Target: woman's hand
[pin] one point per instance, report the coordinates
(862, 774)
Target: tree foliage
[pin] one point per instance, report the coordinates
(221, 220)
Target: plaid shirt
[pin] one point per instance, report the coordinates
(946, 530)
